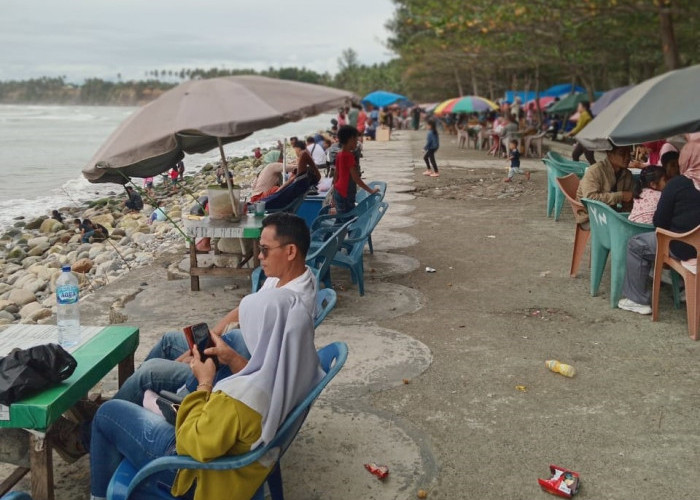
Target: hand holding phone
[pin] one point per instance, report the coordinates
(199, 335)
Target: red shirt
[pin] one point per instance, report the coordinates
(361, 120)
(344, 161)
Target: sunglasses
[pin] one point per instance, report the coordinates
(265, 250)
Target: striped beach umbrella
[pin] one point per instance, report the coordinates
(466, 104)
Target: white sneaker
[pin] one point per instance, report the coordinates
(628, 305)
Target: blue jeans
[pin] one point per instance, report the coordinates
(124, 430)
(161, 373)
(86, 236)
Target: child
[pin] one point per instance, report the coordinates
(432, 144)
(647, 191)
(347, 175)
(669, 161)
(148, 185)
(174, 174)
(514, 158)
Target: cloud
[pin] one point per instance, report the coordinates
(81, 38)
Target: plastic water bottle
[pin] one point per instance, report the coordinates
(68, 314)
(557, 367)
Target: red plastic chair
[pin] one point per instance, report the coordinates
(690, 278)
(568, 185)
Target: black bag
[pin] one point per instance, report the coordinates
(24, 372)
(169, 404)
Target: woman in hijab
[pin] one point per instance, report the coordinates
(237, 414)
(678, 211)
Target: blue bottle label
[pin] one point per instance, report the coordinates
(67, 294)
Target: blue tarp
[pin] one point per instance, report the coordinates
(561, 89)
(381, 98)
(555, 91)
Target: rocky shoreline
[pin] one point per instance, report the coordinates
(32, 252)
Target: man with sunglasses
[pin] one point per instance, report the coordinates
(284, 242)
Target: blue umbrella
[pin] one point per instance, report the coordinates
(381, 98)
(608, 97)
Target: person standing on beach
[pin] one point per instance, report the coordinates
(361, 121)
(432, 144)
(347, 175)
(352, 114)
(584, 118)
(181, 170)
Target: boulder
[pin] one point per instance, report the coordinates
(29, 309)
(106, 220)
(40, 313)
(82, 266)
(36, 223)
(33, 284)
(230, 245)
(6, 317)
(39, 240)
(117, 233)
(49, 226)
(16, 253)
(39, 250)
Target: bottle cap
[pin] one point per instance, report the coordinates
(66, 269)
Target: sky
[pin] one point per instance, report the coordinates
(103, 38)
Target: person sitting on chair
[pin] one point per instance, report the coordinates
(230, 416)
(608, 181)
(284, 242)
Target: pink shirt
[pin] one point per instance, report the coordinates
(645, 206)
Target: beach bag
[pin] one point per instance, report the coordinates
(24, 372)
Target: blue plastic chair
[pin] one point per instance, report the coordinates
(362, 194)
(555, 198)
(366, 204)
(16, 495)
(325, 302)
(351, 255)
(127, 479)
(610, 232)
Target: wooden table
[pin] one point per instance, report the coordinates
(249, 227)
(23, 424)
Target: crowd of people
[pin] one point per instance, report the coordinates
(666, 195)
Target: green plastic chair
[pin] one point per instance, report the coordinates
(557, 168)
(610, 232)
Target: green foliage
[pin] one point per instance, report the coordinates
(486, 47)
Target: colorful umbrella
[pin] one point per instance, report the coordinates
(466, 104)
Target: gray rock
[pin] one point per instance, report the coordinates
(6, 316)
(39, 314)
(17, 253)
(39, 249)
(29, 309)
(21, 297)
(39, 240)
(36, 223)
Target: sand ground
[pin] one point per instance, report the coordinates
(445, 383)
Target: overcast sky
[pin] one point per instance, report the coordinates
(101, 38)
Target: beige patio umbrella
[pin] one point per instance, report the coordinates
(200, 115)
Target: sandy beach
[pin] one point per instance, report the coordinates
(445, 382)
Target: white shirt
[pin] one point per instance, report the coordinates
(318, 154)
(305, 285)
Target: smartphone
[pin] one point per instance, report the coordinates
(199, 335)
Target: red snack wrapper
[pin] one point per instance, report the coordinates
(381, 471)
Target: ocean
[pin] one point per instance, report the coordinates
(43, 150)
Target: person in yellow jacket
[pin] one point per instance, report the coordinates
(237, 414)
(584, 118)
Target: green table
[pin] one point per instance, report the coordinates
(249, 227)
(105, 348)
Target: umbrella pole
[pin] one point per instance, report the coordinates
(228, 178)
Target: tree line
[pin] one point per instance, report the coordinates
(481, 47)
(352, 75)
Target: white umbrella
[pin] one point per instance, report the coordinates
(658, 108)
